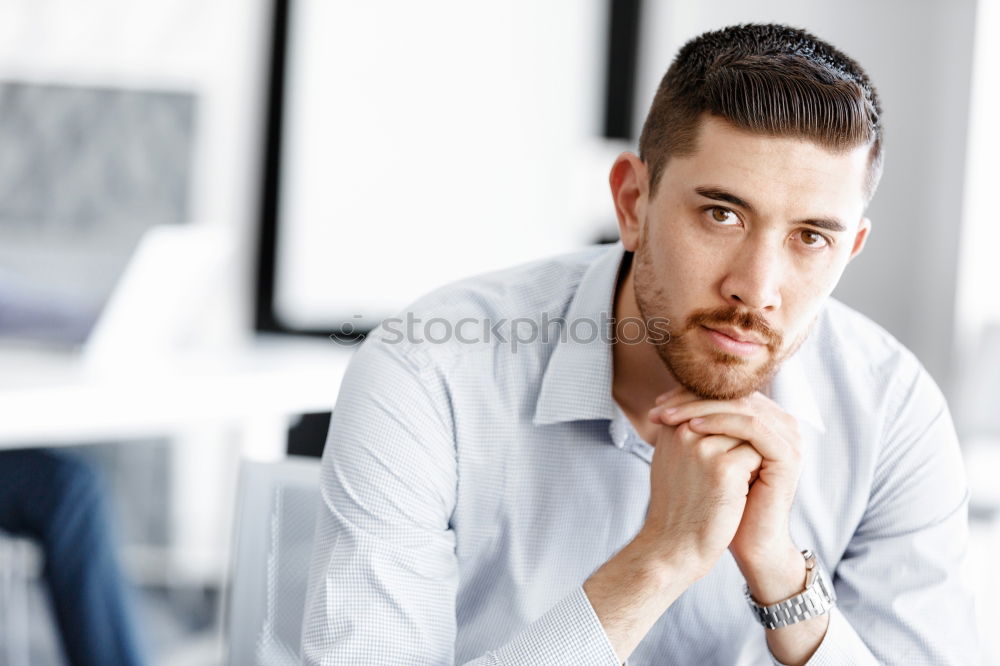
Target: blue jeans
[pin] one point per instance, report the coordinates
(57, 499)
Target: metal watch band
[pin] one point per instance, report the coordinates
(816, 599)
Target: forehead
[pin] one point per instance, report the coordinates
(781, 174)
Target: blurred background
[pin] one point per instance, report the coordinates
(203, 205)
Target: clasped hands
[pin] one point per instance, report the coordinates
(725, 472)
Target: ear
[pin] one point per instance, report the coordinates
(629, 182)
(861, 237)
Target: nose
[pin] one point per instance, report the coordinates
(754, 276)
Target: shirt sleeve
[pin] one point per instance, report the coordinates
(901, 593)
(384, 574)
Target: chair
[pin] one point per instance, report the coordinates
(276, 505)
(19, 565)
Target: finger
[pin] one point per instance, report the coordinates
(747, 458)
(685, 436)
(717, 445)
(678, 396)
(672, 412)
(761, 433)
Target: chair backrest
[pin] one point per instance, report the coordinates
(276, 505)
(20, 563)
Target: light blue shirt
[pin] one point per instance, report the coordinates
(470, 485)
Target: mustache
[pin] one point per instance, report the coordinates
(743, 319)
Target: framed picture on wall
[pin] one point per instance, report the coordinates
(414, 144)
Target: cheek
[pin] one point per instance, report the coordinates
(817, 276)
(805, 296)
(688, 276)
(693, 262)
(825, 278)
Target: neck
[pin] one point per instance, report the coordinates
(639, 374)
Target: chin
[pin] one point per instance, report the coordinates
(718, 376)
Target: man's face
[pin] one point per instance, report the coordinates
(738, 248)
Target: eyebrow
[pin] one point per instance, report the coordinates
(719, 194)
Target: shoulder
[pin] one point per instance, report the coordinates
(859, 341)
(866, 356)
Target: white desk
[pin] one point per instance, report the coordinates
(50, 397)
(211, 406)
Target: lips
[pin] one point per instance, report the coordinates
(737, 335)
(724, 342)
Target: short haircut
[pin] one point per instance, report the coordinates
(769, 79)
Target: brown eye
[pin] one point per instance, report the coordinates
(812, 239)
(722, 215)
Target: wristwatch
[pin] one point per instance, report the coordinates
(816, 599)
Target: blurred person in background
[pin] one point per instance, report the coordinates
(57, 499)
(746, 471)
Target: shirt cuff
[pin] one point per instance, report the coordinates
(569, 633)
(840, 645)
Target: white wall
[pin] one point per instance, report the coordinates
(918, 53)
(978, 308)
(429, 141)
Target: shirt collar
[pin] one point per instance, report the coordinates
(577, 384)
(577, 380)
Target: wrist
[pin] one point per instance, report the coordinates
(775, 577)
(667, 562)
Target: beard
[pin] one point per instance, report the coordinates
(710, 374)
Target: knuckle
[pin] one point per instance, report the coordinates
(718, 471)
(703, 450)
(728, 473)
(684, 435)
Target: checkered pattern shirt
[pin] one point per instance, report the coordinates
(471, 484)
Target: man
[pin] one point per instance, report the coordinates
(743, 471)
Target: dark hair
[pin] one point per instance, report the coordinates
(770, 79)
